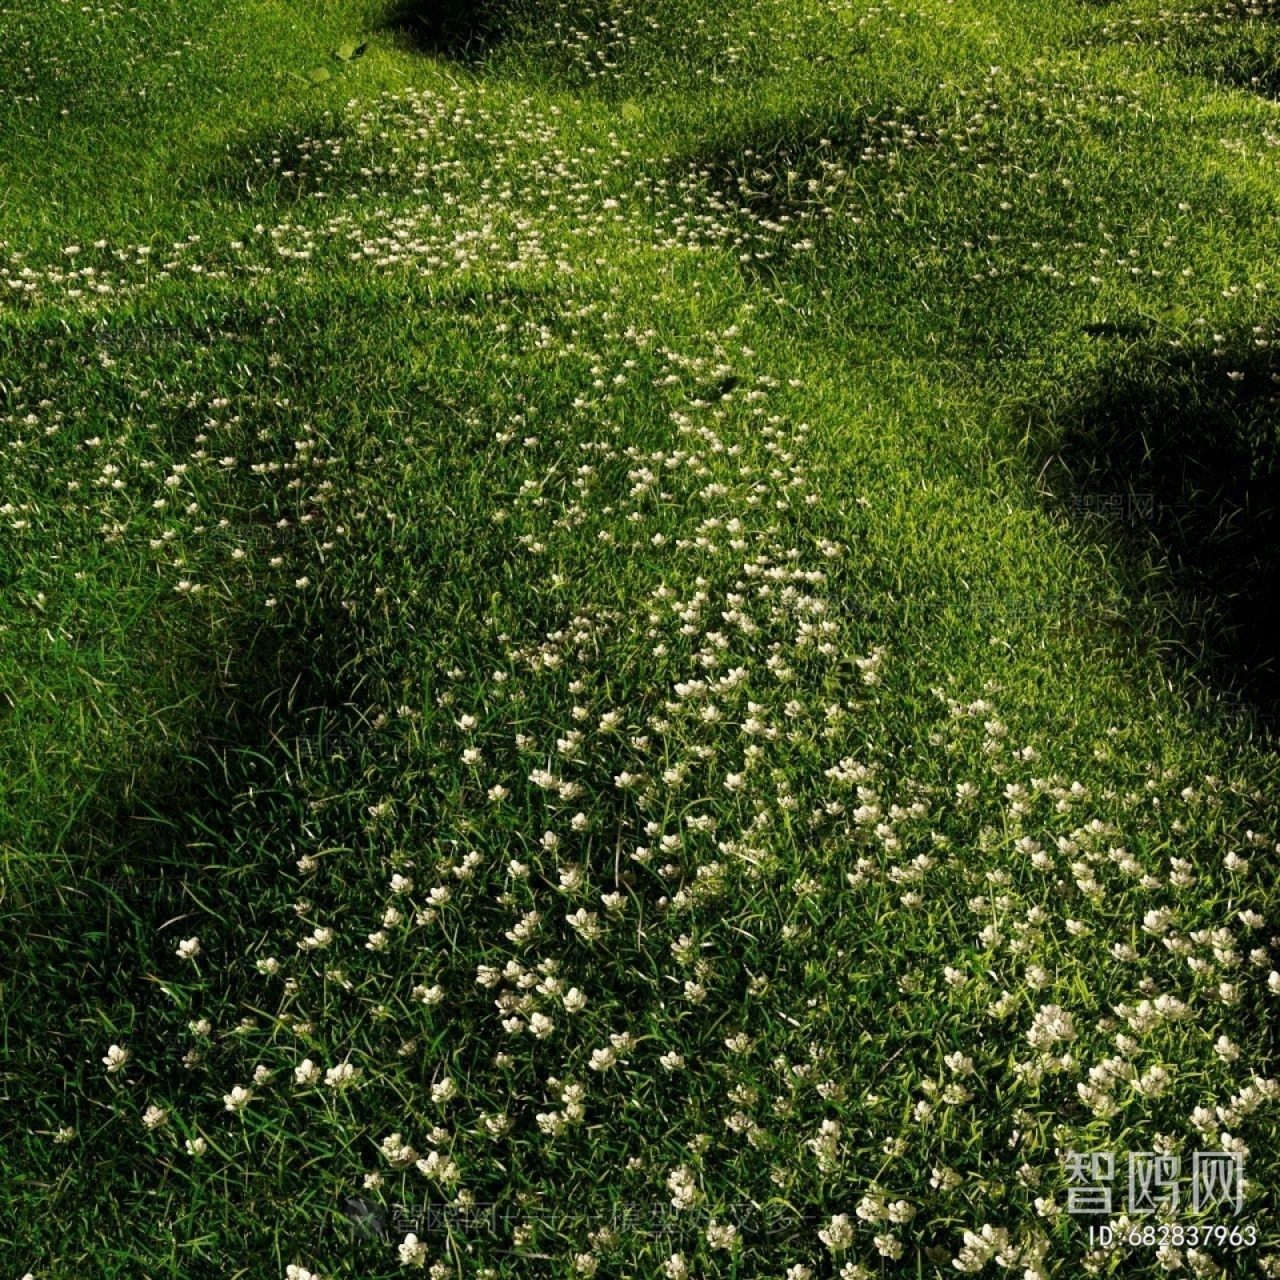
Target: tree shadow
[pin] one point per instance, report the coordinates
(1172, 450)
(467, 30)
(1238, 46)
(104, 852)
(771, 162)
(778, 173)
(1243, 60)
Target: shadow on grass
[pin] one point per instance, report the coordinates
(771, 160)
(467, 30)
(780, 172)
(90, 929)
(1237, 44)
(115, 842)
(202, 841)
(276, 164)
(1174, 453)
(1245, 59)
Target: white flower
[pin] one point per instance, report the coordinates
(980, 1247)
(541, 1026)
(838, 1236)
(721, 1237)
(672, 1061)
(189, 948)
(238, 1098)
(399, 1153)
(574, 1000)
(443, 1090)
(155, 1117)
(342, 1075)
(826, 1146)
(116, 1058)
(306, 1072)
(439, 1168)
(1051, 1024)
(413, 1253)
(585, 1264)
(586, 924)
(889, 1246)
(603, 1059)
(550, 1122)
(196, 1146)
(871, 1208)
(1154, 1082)
(684, 1189)
(300, 1273)
(676, 1268)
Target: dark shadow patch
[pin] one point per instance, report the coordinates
(779, 180)
(277, 164)
(206, 842)
(1173, 451)
(1236, 43)
(467, 30)
(198, 680)
(1247, 59)
(779, 167)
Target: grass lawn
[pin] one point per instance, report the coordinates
(639, 640)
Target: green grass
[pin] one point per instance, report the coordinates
(821, 457)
